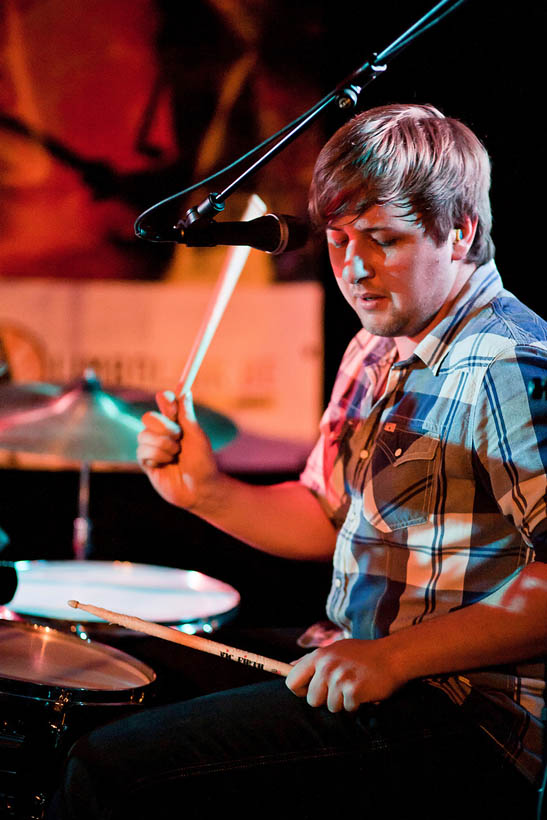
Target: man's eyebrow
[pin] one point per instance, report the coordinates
(372, 229)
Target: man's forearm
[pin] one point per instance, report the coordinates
(282, 519)
(507, 626)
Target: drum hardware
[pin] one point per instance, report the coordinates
(54, 688)
(51, 677)
(83, 423)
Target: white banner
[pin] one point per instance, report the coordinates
(263, 369)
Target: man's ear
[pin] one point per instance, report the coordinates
(462, 237)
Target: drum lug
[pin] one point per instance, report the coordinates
(57, 719)
(39, 806)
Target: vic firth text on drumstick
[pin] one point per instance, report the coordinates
(193, 641)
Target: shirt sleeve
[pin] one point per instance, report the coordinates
(510, 439)
(324, 470)
(318, 474)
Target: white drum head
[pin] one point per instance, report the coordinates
(162, 594)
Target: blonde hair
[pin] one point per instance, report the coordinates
(412, 156)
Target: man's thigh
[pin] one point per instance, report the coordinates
(264, 752)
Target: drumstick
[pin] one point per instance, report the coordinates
(233, 265)
(167, 633)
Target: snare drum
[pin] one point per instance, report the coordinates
(188, 600)
(48, 683)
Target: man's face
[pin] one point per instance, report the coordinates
(392, 274)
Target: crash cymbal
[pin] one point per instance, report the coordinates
(83, 422)
(26, 396)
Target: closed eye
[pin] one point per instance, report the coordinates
(384, 243)
(339, 241)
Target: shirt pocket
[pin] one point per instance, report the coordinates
(401, 476)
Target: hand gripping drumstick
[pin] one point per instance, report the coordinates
(167, 633)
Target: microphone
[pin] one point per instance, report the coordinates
(272, 233)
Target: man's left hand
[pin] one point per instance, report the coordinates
(345, 674)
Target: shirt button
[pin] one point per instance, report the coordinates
(398, 452)
(363, 454)
(338, 583)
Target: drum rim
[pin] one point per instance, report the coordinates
(83, 629)
(34, 688)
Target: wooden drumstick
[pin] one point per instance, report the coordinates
(233, 265)
(167, 633)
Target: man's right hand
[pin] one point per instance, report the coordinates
(283, 519)
(176, 454)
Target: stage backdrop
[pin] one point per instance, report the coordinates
(263, 368)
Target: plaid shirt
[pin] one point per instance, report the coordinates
(439, 489)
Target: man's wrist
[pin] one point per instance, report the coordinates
(213, 498)
(405, 657)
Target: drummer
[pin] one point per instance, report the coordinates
(426, 488)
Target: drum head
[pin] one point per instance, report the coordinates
(41, 657)
(175, 597)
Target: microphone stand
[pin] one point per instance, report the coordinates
(345, 95)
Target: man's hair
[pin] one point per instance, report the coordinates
(412, 156)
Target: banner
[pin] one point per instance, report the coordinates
(263, 369)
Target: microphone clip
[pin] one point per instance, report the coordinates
(348, 92)
(204, 212)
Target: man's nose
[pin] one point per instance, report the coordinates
(354, 266)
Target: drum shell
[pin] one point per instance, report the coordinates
(40, 721)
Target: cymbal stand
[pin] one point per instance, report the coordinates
(81, 540)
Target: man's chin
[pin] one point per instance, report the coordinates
(391, 327)
(379, 328)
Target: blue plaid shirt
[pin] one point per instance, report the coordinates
(439, 488)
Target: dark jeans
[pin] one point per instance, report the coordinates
(259, 751)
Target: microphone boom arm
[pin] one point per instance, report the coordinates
(346, 95)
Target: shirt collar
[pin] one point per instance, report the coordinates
(481, 287)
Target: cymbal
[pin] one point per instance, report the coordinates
(83, 422)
